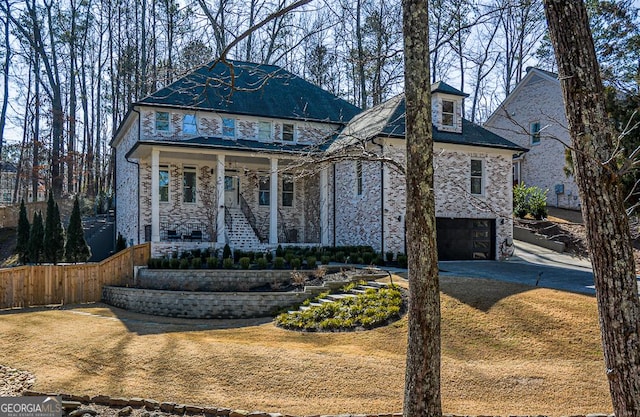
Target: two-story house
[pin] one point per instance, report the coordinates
(215, 158)
(533, 117)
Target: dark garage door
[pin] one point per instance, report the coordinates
(463, 239)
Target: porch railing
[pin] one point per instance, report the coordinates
(251, 218)
(192, 230)
(286, 235)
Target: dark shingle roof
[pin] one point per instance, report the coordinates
(472, 134)
(442, 87)
(259, 90)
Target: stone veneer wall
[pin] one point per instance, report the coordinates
(175, 212)
(358, 218)
(208, 280)
(539, 100)
(127, 185)
(210, 124)
(204, 305)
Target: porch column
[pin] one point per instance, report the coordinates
(155, 195)
(273, 203)
(324, 208)
(220, 226)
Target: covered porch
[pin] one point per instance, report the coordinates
(194, 197)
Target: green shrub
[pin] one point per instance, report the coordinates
(212, 263)
(278, 262)
(367, 257)
(339, 256)
(312, 262)
(402, 261)
(196, 263)
(279, 252)
(374, 308)
(227, 263)
(295, 263)
(325, 259)
(184, 263)
(289, 256)
(245, 262)
(196, 253)
(226, 252)
(166, 263)
(268, 256)
(175, 263)
(529, 200)
(262, 263)
(538, 203)
(389, 256)
(237, 254)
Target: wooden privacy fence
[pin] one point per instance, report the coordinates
(34, 285)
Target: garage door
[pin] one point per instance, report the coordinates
(465, 239)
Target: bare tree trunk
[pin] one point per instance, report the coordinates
(422, 381)
(600, 188)
(35, 166)
(360, 60)
(73, 102)
(5, 74)
(25, 135)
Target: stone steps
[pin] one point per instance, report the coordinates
(331, 298)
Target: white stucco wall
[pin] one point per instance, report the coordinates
(539, 99)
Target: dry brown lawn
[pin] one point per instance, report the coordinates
(507, 350)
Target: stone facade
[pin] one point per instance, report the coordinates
(127, 183)
(246, 127)
(358, 220)
(538, 99)
(208, 280)
(204, 305)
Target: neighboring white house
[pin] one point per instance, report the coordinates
(533, 117)
(201, 164)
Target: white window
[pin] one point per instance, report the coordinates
(189, 185)
(264, 131)
(359, 178)
(448, 113)
(287, 132)
(287, 190)
(534, 131)
(189, 124)
(264, 191)
(163, 184)
(228, 127)
(162, 121)
(476, 176)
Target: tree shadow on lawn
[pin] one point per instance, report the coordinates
(143, 324)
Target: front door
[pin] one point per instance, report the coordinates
(231, 191)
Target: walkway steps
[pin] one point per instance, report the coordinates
(330, 298)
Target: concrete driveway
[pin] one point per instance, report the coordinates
(531, 265)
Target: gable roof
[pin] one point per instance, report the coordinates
(533, 74)
(388, 120)
(258, 90)
(442, 87)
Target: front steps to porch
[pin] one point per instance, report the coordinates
(241, 234)
(330, 298)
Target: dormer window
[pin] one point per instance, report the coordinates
(448, 113)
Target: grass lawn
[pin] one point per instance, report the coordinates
(508, 349)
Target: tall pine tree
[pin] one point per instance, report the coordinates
(53, 233)
(36, 239)
(22, 247)
(76, 249)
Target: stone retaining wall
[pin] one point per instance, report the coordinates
(204, 305)
(71, 402)
(209, 280)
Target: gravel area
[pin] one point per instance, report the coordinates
(13, 382)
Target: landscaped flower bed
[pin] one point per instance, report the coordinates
(287, 258)
(372, 309)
